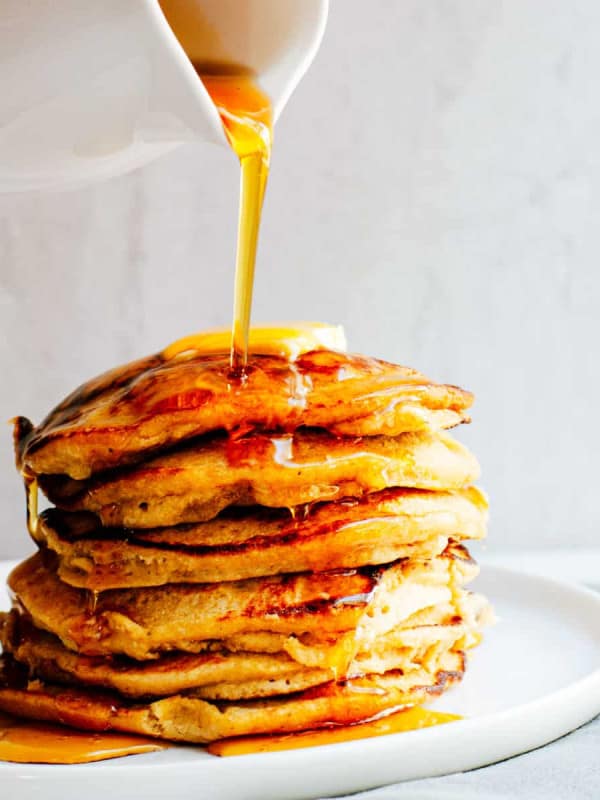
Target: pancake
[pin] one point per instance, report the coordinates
(246, 543)
(192, 719)
(126, 413)
(234, 555)
(195, 483)
(141, 623)
(336, 651)
(215, 672)
(222, 674)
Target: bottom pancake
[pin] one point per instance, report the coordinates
(187, 718)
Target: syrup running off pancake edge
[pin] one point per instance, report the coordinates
(26, 742)
(402, 721)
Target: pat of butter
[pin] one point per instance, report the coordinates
(288, 340)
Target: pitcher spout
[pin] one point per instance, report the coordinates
(99, 89)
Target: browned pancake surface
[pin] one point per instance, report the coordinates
(219, 673)
(195, 483)
(142, 622)
(152, 403)
(191, 719)
(246, 543)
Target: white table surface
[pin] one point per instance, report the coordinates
(568, 769)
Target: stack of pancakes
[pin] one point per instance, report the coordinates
(231, 557)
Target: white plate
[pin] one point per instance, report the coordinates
(535, 678)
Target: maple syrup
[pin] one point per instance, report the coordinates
(408, 719)
(247, 118)
(26, 742)
(31, 494)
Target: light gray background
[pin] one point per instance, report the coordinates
(435, 187)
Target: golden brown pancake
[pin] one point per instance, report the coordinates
(155, 402)
(336, 651)
(192, 719)
(232, 557)
(246, 543)
(194, 484)
(141, 623)
(222, 674)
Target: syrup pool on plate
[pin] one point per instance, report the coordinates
(30, 742)
(26, 742)
(408, 719)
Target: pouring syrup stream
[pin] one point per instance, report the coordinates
(247, 118)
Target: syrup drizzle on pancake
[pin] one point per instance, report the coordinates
(31, 494)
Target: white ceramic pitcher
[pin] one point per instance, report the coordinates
(94, 88)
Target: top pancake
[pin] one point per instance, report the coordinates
(155, 402)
